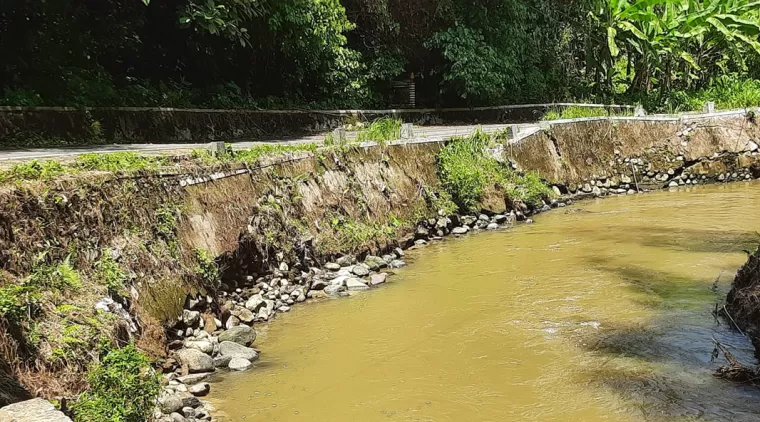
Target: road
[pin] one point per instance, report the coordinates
(432, 133)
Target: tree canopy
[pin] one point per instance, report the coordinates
(345, 53)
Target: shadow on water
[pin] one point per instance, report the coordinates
(663, 367)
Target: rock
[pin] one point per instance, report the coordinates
(421, 233)
(596, 191)
(242, 334)
(354, 284)
(420, 242)
(399, 252)
(460, 230)
(232, 321)
(284, 308)
(586, 187)
(222, 361)
(332, 266)
(188, 412)
(254, 303)
(377, 279)
(190, 401)
(170, 403)
(199, 390)
(673, 184)
(34, 410)
(211, 324)
(528, 221)
(625, 179)
(193, 378)
(333, 289)
(339, 281)
(397, 263)
(190, 318)
(195, 360)
(375, 263)
(176, 417)
(557, 191)
(500, 219)
(361, 270)
(345, 260)
(245, 315)
(239, 364)
(203, 345)
(492, 226)
(316, 294)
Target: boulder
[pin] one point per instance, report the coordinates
(397, 263)
(235, 350)
(33, 410)
(202, 345)
(318, 284)
(360, 270)
(239, 364)
(195, 360)
(254, 303)
(232, 321)
(333, 289)
(193, 378)
(460, 230)
(170, 403)
(222, 361)
(245, 315)
(377, 279)
(200, 389)
(190, 318)
(241, 334)
(353, 284)
(332, 266)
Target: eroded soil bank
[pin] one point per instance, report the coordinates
(600, 311)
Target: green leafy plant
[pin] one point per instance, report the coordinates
(123, 387)
(110, 273)
(206, 268)
(381, 130)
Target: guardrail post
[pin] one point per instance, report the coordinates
(709, 107)
(407, 131)
(216, 148)
(639, 111)
(339, 135)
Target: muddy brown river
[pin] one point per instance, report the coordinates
(600, 311)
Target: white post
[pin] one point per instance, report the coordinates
(216, 148)
(407, 131)
(639, 111)
(339, 135)
(709, 107)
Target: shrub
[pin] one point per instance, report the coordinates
(206, 268)
(110, 274)
(381, 130)
(123, 387)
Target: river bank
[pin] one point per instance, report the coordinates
(188, 251)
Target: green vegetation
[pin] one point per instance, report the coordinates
(466, 170)
(123, 387)
(381, 130)
(353, 234)
(206, 268)
(14, 301)
(61, 276)
(118, 161)
(110, 274)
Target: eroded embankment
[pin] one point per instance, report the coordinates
(743, 302)
(174, 257)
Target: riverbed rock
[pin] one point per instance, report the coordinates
(195, 360)
(355, 284)
(377, 279)
(460, 230)
(345, 260)
(199, 390)
(239, 364)
(361, 270)
(318, 284)
(333, 289)
(242, 334)
(222, 361)
(492, 226)
(397, 263)
(191, 379)
(170, 403)
(34, 410)
(235, 350)
(190, 318)
(332, 266)
(202, 345)
(375, 263)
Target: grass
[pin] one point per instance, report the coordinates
(466, 171)
(110, 274)
(206, 268)
(381, 130)
(576, 112)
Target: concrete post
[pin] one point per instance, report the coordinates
(639, 111)
(339, 135)
(407, 131)
(709, 107)
(217, 148)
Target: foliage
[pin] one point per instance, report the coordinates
(33, 170)
(353, 234)
(575, 112)
(110, 274)
(123, 387)
(206, 268)
(61, 276)
(381, 130)
(15, 300)
(466, 171)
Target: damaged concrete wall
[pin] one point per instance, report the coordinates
(623, 153)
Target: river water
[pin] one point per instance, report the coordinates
(600, 311)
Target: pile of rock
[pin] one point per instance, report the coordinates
(202, 346)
